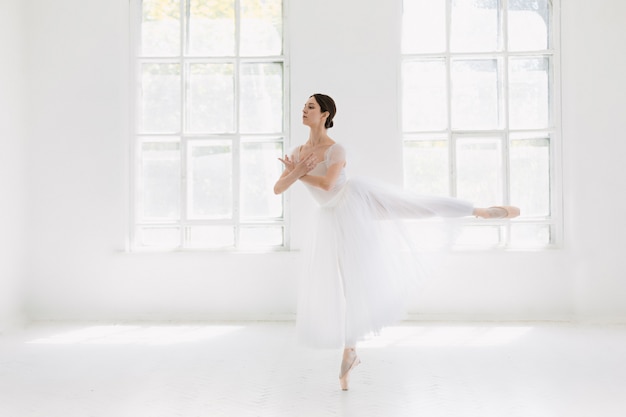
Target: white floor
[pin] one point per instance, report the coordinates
(256, 369)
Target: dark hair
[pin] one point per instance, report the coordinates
(326, 104)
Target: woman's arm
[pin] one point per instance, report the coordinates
(293, 172)
(326, 182)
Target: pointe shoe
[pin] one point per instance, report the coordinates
(346, 368)
(510, 212)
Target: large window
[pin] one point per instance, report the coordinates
(479, 106)
(209, 123)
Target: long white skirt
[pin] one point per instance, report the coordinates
(362, 263)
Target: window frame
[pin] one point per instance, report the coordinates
(236, 138)
(553, 131)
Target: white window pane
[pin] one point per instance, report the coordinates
(429, 234)
(528, 25)
(426, 166)
(423, 26)
(159, 237)
(261, 107)
(529, 93)
(479, 236)
(160, 98)
(211, 25)
(479, 170)
(424, 96)
(159, 181)
(530, 175)
(530, 235)
(211, 98)
(210, 180)
(475, 26)
(261, 236)
(210, 237)
(261, 27)
(475, 97)
(160, 27)
(259, 170)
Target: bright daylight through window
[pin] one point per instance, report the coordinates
(209, 123)
(479, 107)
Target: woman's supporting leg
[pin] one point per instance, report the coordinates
(348, 362)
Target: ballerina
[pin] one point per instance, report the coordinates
(357, 277)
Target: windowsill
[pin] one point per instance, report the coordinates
(210, 252)
(286, 251)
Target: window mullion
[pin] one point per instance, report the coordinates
(184, 188)
(504, 86)
(236, 145)
(452, 183)
(181, 128)
(185, 15)
(135, 37)
(286, 137)
(556, 199)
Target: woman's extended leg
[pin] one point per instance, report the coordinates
(497, 212)
(390, 202)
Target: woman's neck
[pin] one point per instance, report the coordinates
(318, 137)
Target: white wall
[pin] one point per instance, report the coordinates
(11, 167)
(594, 125)
(78, 193)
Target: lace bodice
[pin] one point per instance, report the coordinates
(334, 154)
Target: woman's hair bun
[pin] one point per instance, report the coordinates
(326, 104)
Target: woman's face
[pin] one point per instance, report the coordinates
(312, 115)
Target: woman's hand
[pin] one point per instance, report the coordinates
(289, 164)
(301, 168)
(307, 164)
(294, 171)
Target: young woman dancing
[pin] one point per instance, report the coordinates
(357, 278)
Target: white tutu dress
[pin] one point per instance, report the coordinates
(360, 259)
